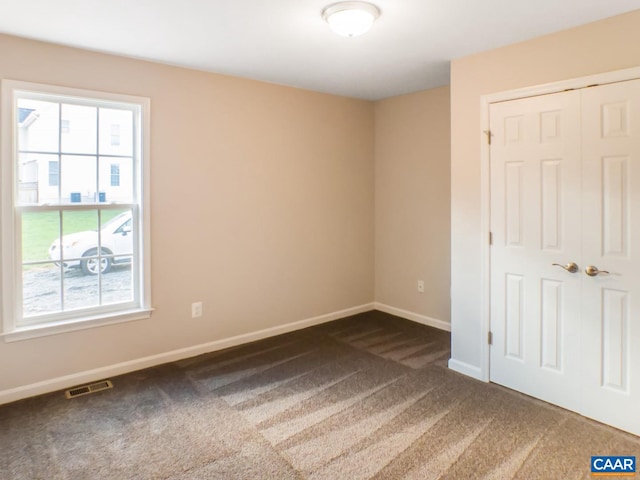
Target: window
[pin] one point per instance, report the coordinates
(54, 173)
(76, 254)
(115, 175)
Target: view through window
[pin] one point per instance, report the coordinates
(77, 207)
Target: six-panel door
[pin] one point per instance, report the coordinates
(565, 188)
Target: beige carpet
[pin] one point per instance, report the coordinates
(364, 397)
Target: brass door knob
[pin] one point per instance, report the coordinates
(569, 267)
(593, 271)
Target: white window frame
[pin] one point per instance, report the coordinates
(11, 276)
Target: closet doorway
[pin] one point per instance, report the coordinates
(565, 251)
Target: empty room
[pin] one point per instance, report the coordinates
(319, 240)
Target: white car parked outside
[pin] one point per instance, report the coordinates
(80, 250)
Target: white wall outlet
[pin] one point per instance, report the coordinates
(420, 286)
(196, 309)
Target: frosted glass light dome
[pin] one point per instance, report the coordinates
(350, 19)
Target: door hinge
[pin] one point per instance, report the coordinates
(488, 134)
(490, 238)
(490, 338)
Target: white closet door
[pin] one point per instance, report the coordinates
(611, 242)
(535, 222)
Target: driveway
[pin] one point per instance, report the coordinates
(41, 291)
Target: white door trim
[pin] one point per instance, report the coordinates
(485, 184)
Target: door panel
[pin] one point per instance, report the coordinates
(535, 220)
(514, 316)
(551, 325)
(551, 213)
(611, 242)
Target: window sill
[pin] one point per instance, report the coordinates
(55, 328)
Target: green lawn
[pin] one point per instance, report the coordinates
(40, 229)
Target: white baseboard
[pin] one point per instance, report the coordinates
(87, 376)
(466, 369)
(416, 317)
(455, 365)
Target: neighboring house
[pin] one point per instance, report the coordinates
(111, 167)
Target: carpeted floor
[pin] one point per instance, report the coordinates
(364, 397)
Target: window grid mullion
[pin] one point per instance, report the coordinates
(59, 152)
(61, 262)
(74, 206)
(97, 160)
(76, 154)
(99, 257)
(136, 167)
(60, 214)
(19, 272)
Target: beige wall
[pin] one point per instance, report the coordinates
(262, 207)
(607, 45)
(412, 210)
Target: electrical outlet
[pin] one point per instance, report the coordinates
(420, 286)
(196, 309)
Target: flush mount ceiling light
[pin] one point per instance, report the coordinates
(350, 18)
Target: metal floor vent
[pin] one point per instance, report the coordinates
(87, 389)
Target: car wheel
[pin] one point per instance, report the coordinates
(91, 266)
